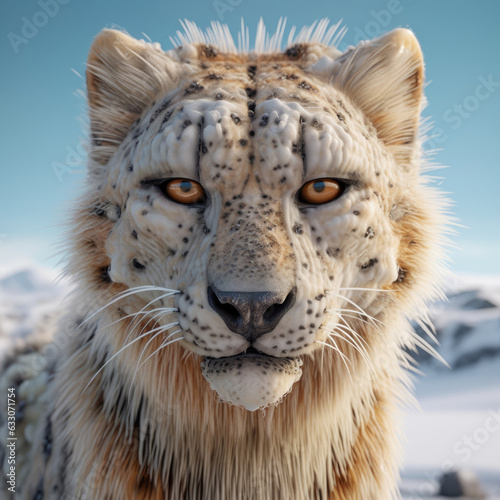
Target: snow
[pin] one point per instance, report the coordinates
(458, 424)
(29, 297)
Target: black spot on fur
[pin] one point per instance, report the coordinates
(99, 211)
(214, 76)
(165, 120)
(209, 51)
(193, 88)
(161, 108)
(251, 71)
(264, 120)
(47, 440)
(236, 118)
(370, 233)
(138, 265)
(306, 86)
(251, 108)
(295, 52)
(401, 274)
(104, 274)
(134, 234)
(369, 264)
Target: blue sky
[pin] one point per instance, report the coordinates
(44, 46)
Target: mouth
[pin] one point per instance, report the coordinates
(251, 379)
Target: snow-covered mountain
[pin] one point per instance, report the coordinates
(31, 299)
(467, 326)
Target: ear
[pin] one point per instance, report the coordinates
(124, 76)
(385, 78)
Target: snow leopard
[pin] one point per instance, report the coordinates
(255, 238)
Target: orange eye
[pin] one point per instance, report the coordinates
(320, 191)
(185, 191)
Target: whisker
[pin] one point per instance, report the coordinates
(145, 313)
(128, 293)
(142, 311)
(351, 330)
(114, 356)
(342, 312)
(354, 304)
(356, 347)
(342, 355)
(357, 337)
(160, 331)
(357, 318)
(164, 344)
(366, 290)
(159, 315)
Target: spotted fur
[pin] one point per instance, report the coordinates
(150, 393)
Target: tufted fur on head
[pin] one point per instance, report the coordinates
(252, 297)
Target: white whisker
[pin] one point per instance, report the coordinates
(353, 344)
(114, 356)
(342, 355)
(128, 293)
(342, 311)
(357, 318)
(160, 331)
(351, 330)
(354, 304)
(163, 345)
(159, 315)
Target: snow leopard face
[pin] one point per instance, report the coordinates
(270, 190)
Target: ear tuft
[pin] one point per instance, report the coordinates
(124, 76)
(385, 78)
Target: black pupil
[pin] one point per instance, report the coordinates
(186, 186)
(319, 186)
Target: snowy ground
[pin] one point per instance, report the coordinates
(458, 425)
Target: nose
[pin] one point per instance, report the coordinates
(251, 314)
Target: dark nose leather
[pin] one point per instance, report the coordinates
(251, 314)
